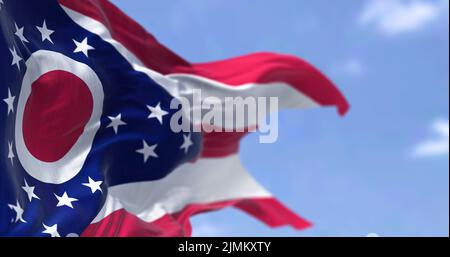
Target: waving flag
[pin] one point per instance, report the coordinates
(87, 147)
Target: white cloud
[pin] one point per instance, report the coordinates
(437, 146)
(393, 17)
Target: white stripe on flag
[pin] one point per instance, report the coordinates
(205, 181)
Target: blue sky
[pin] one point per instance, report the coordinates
(382, 169)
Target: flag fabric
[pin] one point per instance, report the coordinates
(87, 146)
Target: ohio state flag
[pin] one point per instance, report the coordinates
(87, 146)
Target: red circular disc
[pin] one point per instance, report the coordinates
(55, 114)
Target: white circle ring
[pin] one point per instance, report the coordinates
(62, 170)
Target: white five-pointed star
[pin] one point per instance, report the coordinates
(51, 230)
(93, 185)
(147, 151)
(187, 143)
(82, 47)
(19, 34)
(15, 58)
(18, 210)
(157, 112)
(1, 2)
(116, 122)
(10, 101)
(30, 191)
(10, 152)
(65, 200)
(45, 32)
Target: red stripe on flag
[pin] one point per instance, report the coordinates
(221, 144)
(122, 223)
(264, 68)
